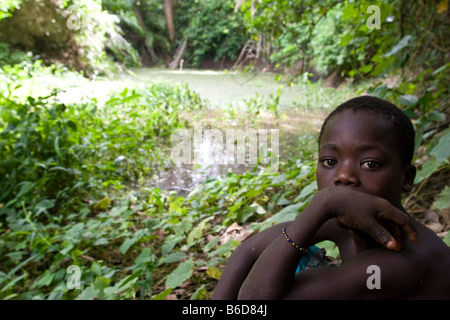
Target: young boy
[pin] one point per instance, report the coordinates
(365, 151)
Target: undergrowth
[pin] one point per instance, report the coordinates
(80, 220)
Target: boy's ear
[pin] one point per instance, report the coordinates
(409, 174)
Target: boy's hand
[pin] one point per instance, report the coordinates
(368, 213)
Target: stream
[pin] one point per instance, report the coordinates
(301, 108)
(223, 89)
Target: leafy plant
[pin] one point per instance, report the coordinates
(61, 166)
(212, 28)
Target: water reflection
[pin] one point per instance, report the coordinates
(225, 92)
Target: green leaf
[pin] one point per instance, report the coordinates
(211, 244)
(426, 98)
(283, 201)
(346, 39)
(145, 256)
(88, 294)
(258, 208)
(399, 46)
(447, 239)
(57, 149)
(226, 249)
(13, 282)
(306, 191)
(366, 68)
(418, 137)
(359, 41)
(44, 280)
(199, 294)
(119, 159)
(176, 205)
(427, 169)
(436, 116)
(442, 150)
(9, 275)
(174, 257)
(214, 273)
(287, 214)
(408, 100)
(43, 206)
(350, 12)
(72, 125)
(440, 69)
(126, 282)
(170, 242)
(197, 232)
(130, 241)
(180, 274)
(330, 247)
(127, 244)
(101, 283)
(102, 204)
(379, 91)
(443, 202)
(162, 294)
(382, 66)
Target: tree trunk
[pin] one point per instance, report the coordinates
(178, 55)
(149, 49)
(168, 12)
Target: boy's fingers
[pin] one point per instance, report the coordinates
(393, 241)
(382, 236)
(412, 232)
(396, 232)
(404, 221)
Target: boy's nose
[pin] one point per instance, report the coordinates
(346, 175)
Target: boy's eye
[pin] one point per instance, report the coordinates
(370, 165)
(328, 163)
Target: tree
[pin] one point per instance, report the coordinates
(168, 12)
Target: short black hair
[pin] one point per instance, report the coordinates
(401, 124)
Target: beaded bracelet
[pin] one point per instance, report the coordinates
(305, 250)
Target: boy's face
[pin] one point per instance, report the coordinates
(357, 150)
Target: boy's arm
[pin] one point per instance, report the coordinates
(272, 275)
(241, 261)
(373, 274)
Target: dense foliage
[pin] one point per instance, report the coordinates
(75, 191)
(214, 31)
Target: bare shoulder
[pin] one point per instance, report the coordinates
(431, 259)
(418, 271)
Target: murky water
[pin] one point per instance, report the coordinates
(302, 108)
(221, 88)
(229, 89)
